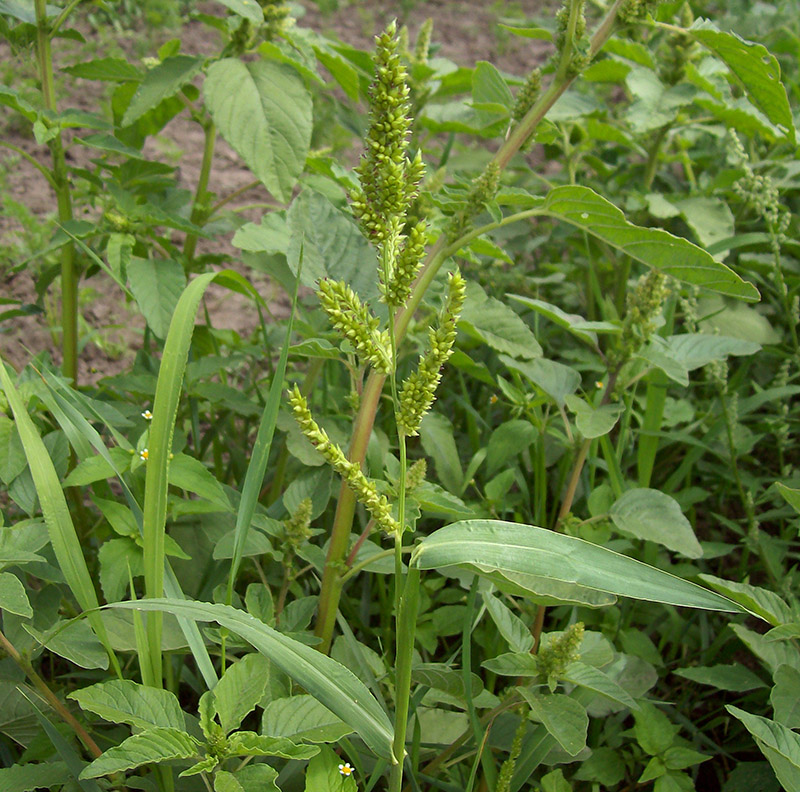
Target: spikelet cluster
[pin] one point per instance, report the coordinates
(416, 475)
(633, 10)
(297, 527)
(418, 391)
(483, 190)
(553, 660)
(527, 95)
(365, 491)
(406, 264)
(423, 45)
(388, 178)
(353, 320)
(507, 770)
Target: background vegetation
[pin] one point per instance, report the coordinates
(576, 569)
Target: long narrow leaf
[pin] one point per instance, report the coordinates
(254, 478)
(82, 434)
(328, 681)
(165, 409)
(489, 546)
(63, 537)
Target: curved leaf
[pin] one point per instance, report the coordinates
(492, 545)
(328, 681)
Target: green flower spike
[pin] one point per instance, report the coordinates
(406, 266)
(418, 391)
(527, 95)
(354, 321)
(365, 491)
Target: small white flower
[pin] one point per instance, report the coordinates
(147, 415)
(345, 769)
(144, 454)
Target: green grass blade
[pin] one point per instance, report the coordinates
(328, 681)
(254, 478)
(165, 409)
(491, 546)
(81, 433)
(63, 537)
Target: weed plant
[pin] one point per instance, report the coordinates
(509, 501)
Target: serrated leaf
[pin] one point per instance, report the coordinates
(245, 743)
(162, 82)
(263, 110)
(154, 745)
(157, 286)
(655, 516)
(124, 701)
(780, 745)
(756, 70)
(563, 717)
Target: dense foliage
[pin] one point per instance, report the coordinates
(507, 500)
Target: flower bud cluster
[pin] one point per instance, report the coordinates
(423, 45)
(483, 190)
(633, 10)
(416, 475)
(297, 527)
(678, 50)
(553, 660)
(507, 770)
(406, 264)
(579, 57)
(365, 490)
(644, 305)
(389, 180)
(418, 391)
(353, 320)
(527, 95)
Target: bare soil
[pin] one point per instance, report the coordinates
(464, 31)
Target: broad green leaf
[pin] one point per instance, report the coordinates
(590, 212)
(119, 559)
(694, 350)
(157, 744)
(489, 87)
(161, 82)
(247, 9)
(33, 776)
(555, 379)
(63, 537)
(510, 626)
(438, 440)
(241, 687)
(73, 640)
(271, 235)
(735, 677)
(593, 421)
(263, 110)
(489, 545)
(323, 774)
(508, 441)
(654, 103)
(780, 745)
(331, 244)
(710, 218)
(529, 32)
(573, 323)
(597, 681)
(11, 98)
(125, 701)
(791, 496)
(329, 682)
(653, 729)
(302, 718)
(226, 782)
(762, 602)
(784, 699)
(190, 474)
(105, 69)
(258, 778)
(497, 325)
(756, 70)
(652, 515)
(246, 743)
(773, 653)
(522, 664)
(447, 680)
(157, 285)
(562, 716)
(13, 597)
